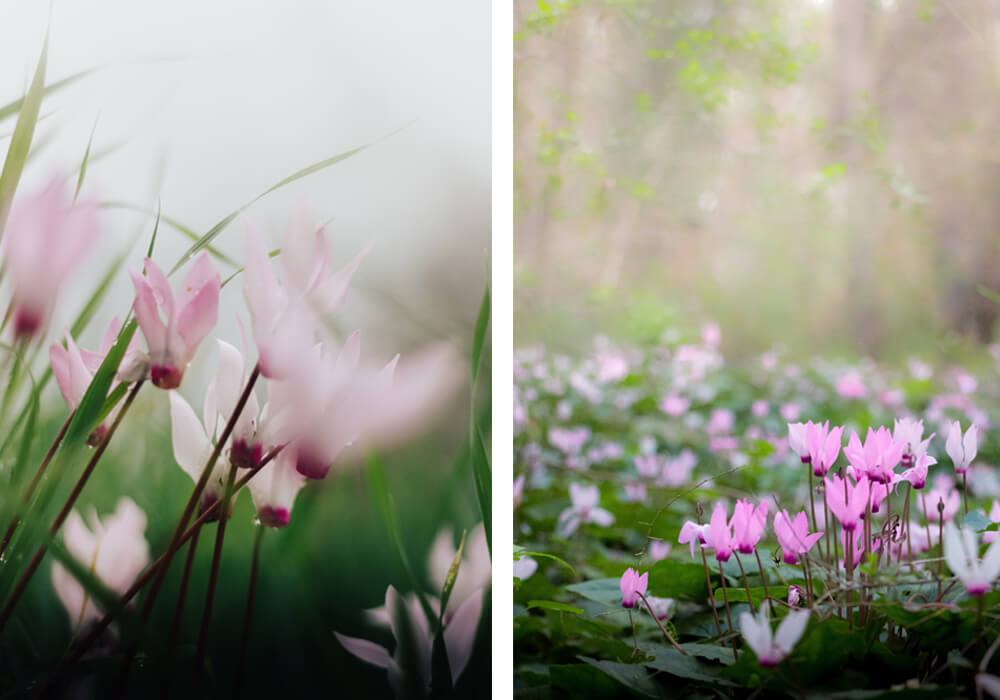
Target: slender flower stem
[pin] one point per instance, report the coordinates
(729, 616)
(746, 583)
(174, 545)
(849, 567)
(979, 618)
(711, 595)
(248, 613)
(965, 492)
(812, 500)
(635, 636)
(940, 551)
(906, 521)
(927, 520)
(179, 612)
(887, 545)
(34, 482)
(64, 512)
(76, 652)
(659, 624)
(213, 578)
(763, 578)
(810, 595)
(826, 516)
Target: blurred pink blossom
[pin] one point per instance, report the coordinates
(850, 386)
(113, 549)
(47, 236)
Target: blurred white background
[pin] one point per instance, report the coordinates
(215, 102)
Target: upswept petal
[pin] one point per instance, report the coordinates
(791, 629)
(460, 634)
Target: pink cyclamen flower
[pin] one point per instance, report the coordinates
(794, 596)
(409, 627)
(175, 325)
(848, 509)
(584, 509)
(720, 535)
(648, 466)
(569, 440)
(917, 474)
(748, 523)
(961, 450)
(961, 551)
(74, 368)
(192, 445)
(47, 236)
(721, 422)
(674, 405)
(333, 400)
(677, 470)
(877, 457)
(790, 412)
(282, 313)
(823, 445)
(771, 649)
(797, 441)
(759, 408)
(711, 334)
(909, 433)
(850, 386)
(632, 586)
(250, 437)
(658, 550)
(114, 549)
(662, 608)
(273, 490)
(694, 534)
(635, 493)
(518, 490)
(793, 535)
(612, 366)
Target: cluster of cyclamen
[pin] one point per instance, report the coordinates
(867, 484)
(319, 401)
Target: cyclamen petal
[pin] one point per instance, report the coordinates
(47, 235)
(174, 328)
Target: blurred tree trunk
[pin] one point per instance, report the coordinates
(853, 27)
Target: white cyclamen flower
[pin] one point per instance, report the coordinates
(961, 450)
(961, 551)
(771, 649)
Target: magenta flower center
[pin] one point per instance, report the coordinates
(166, 376)
(246, 456)
(309, 465)
(273, 517)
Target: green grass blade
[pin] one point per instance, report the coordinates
(88, 413)
(174, 224)
(387, 509)
(83, 164)
(481, 471)
(20, 140)
(440, 668)
(12, 108)
(156, 229)
(479, 336)
(202, 242)
(27, 435)
(273, 253)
